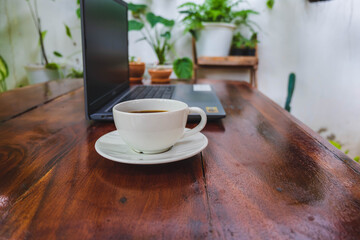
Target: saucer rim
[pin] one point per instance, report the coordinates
(151, 162)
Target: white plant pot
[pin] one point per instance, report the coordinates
(214, 40)
(38, 73)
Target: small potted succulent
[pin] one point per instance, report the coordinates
(136, 70)
(212, 24)
(242, 46)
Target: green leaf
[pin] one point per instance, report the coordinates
(78, 13)
(75, 74)
(53, 66)
(57, 54)
(68, 32)
(166, 35)
(183, 68)
(134, 25)
(141, 39)
(291, 87)
(136, 8)
(43, 34)
(270, 3)
(154, 19)
(336, 144)
(78, 2)
(3, 67)
(244, 13)
(357, 158)
(188, 4)
(346, 152)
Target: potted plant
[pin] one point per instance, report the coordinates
(47, 70)
(242, 46)
(212, 25)
(156, 31)
(136, 69)
(4, 73)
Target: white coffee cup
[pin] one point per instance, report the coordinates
(157, 131)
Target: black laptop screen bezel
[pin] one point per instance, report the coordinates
(93, 106)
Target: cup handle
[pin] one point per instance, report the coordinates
(200, 126)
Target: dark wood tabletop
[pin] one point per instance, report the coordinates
(264, 175)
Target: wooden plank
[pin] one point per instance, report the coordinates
(20, 100)
(228, 61)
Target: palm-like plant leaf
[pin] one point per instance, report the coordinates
(134, 25)
(154, 19)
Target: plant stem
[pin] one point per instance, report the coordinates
(3, 87)
(73, 54)
(147, 31)
(146, 39)
(36, 19)
(42, 46)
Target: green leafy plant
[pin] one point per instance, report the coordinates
(75, 73)
(4, 73)
(155, 30)
(132, 59)
(33, 6)
(214, 11)
(239, 41)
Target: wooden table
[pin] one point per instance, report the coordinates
(264, 175)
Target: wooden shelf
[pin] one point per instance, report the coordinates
(228, 61)
(250, 62)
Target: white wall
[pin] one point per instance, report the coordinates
(320, 42)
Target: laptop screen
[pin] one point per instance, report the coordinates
(105, 51)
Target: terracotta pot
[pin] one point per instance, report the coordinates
(136, 71)
(160, 75)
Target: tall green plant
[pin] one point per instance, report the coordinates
(214, 11)
(155, 30)
(4, 73)
(33, 6)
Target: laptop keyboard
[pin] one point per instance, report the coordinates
(150, 92)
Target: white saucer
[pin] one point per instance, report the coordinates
(112, 147)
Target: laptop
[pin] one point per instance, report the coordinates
(106, 67)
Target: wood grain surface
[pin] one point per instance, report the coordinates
(20, 100)
(236, 61)
(264, 175)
